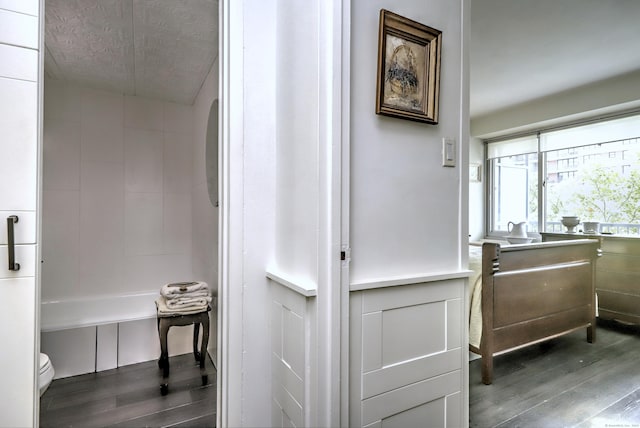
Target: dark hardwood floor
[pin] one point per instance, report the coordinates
(565, 382)
(130, 397)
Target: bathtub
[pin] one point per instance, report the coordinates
(95, 311)
(92, 334)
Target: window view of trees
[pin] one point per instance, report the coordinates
(591, 171)
(604, 186)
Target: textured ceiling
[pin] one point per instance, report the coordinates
(521, 50)
(159, 49)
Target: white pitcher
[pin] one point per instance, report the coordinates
(518, 230)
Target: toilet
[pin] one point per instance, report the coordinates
(46, 373)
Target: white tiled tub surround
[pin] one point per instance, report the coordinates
(117, 193)
(117, 222)
(86, 335)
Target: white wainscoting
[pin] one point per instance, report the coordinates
(408, 355)
(293, 343)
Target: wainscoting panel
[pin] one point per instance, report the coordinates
(293, 368)
(406, 355)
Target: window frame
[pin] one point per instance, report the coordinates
(489, 170)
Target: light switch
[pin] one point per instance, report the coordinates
(448, 152)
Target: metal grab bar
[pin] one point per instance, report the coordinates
(11, 220)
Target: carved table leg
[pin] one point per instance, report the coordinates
(203, 348)
(164, 355)
(196, 333)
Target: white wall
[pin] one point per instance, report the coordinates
(296, 101)
(247, 209)
(476, 191)
(405, 207)
(117, 193)
(204, 215)
(279, 125)
(608, 96)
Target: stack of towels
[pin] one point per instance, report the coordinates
(183, 298)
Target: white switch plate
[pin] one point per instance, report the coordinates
(448, 152)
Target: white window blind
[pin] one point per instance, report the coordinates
(594, 133)
(516, 146)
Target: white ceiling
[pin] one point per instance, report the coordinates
(160, 49)
(521, 50)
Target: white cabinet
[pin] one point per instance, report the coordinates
(407, 355)
(17, 365)
(18, 29)
(29, 7)
(19, 128)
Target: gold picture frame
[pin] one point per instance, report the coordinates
(408, 84)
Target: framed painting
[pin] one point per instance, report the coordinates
(408, 69)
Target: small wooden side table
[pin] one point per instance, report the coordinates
(165, 322)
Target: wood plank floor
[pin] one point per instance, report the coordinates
(130, 397)
(565, 382)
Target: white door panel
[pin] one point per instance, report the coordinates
(19, 127)
(18, 29)
(25, 256)
(17, 359)
(24, 231)
(18, 63)
(29, 7)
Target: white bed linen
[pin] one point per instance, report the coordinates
(475, 295)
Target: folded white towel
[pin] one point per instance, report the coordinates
(165, 311)
(184, 302)
(200, 293)
(178, 288)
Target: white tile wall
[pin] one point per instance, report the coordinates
(178, 118)
(143, 160)
(62, 151)
(62, 101)
(60, 269)
(101, 229)
(142, 113)
(177, 166)
(117, 214)
(101, 143)
(176, 229)
(101, 109)
(143, 227)
(204, 215)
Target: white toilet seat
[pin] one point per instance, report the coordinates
(46, 373)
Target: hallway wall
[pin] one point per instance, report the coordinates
(406, 208)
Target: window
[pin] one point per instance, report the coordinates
(514, 182)
(591, 171)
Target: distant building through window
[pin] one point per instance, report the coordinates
(591, 171)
